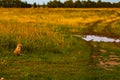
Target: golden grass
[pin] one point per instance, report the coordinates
(41, 27)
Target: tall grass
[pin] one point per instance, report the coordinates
(47, 33)
(51, 29)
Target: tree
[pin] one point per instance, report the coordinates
(43, 5)
(59, 4)
(16, 3)
(69, 4)
(90, 4)
(54, 4)
(99, 3)
(25, 5)
(84, 4)
(77, 4)
(13, 3)
(34, 5)
(0, 3)
(50, 4)
(106, 4)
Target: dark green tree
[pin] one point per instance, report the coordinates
(84, 4)
(13, 3)
(34, 5)
(54, 4)
(0, 3)
(90, 4)
(68, 4)
(99, 4)
(116, 5)
(77, 4)
(25, 5)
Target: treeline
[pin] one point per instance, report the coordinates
(59, 4)
(14, 3)
(81, 4)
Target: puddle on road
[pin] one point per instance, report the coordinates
(103, 62)
(97, 38)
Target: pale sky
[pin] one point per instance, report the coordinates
(45, 1)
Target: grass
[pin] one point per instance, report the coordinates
(50, 51)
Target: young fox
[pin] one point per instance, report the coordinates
(18, 49)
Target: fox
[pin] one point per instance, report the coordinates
(2, 78)
(17, 51)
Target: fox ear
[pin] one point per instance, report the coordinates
(19, 44)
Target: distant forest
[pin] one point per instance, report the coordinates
(59, 4)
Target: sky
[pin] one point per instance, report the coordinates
(45, 1)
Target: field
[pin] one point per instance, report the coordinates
(51, 52)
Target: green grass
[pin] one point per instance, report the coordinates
(50, 51)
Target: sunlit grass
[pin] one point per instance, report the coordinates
(50, 51)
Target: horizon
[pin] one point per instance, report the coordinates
(45, 1)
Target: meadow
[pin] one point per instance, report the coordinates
(50, 51)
